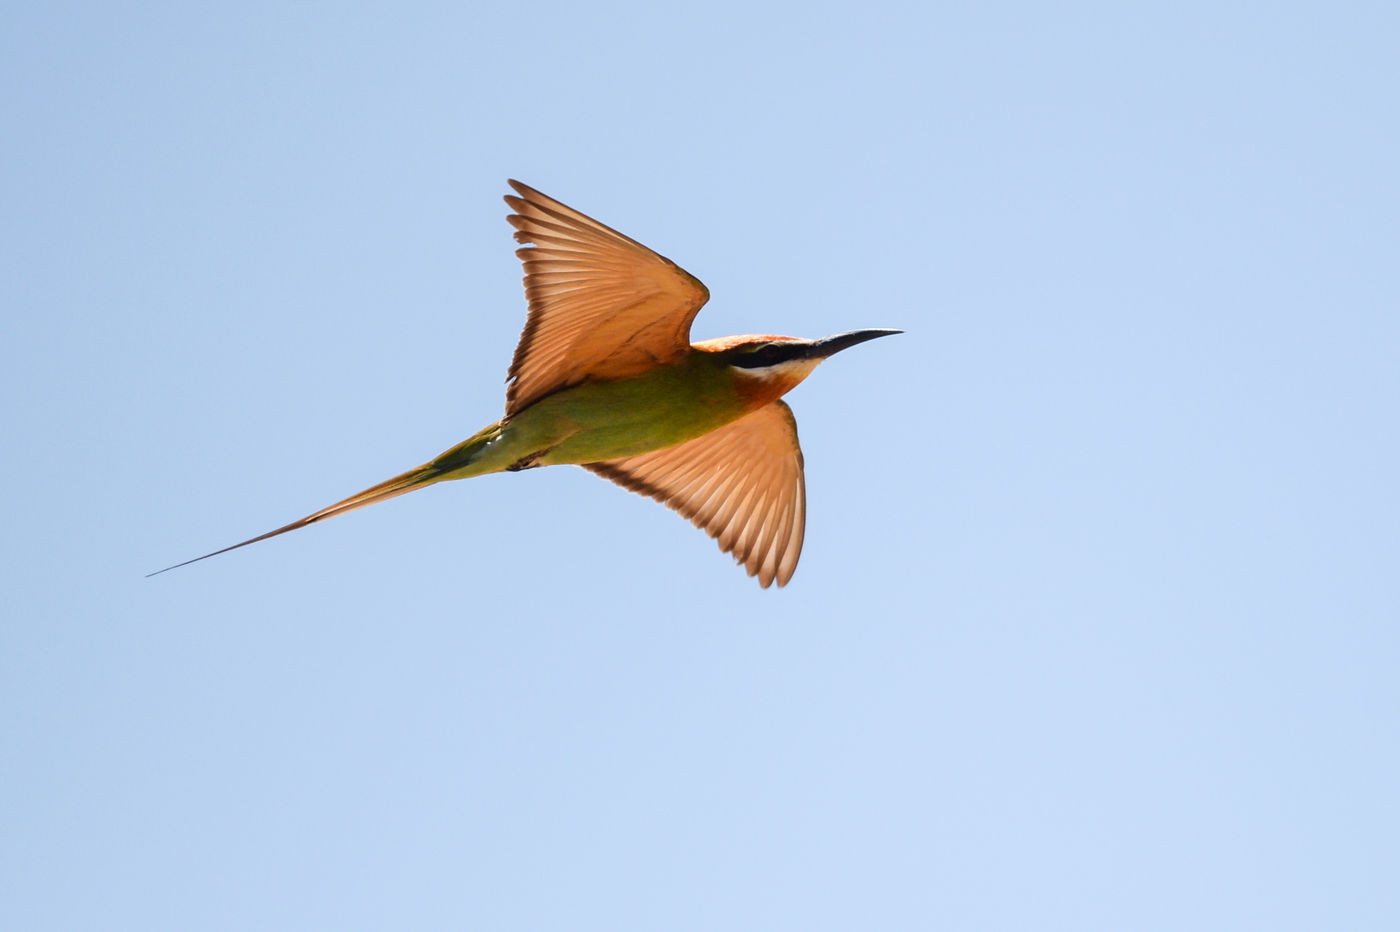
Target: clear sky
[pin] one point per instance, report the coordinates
(1098, 621)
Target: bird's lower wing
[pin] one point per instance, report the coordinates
(742, 484)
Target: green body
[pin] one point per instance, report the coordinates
(598, 421)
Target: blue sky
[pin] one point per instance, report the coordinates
(1096, 624)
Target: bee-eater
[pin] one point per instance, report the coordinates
(605, 377)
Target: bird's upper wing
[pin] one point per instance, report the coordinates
(601, 305)
(741, 483)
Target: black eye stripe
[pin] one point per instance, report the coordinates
(766, 356)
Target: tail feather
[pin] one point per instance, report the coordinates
(391, 488)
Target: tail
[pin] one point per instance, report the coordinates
(456, 463)
(391, 488)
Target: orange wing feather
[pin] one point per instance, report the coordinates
(602, 305)
(742, 484)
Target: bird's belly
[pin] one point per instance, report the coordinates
(601, 421)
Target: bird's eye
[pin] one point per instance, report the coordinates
(767, 355)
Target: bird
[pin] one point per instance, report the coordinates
(605, 377)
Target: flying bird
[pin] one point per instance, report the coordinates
(605, 377)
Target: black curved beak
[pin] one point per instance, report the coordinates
(830, 346)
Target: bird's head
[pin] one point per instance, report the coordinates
(769, 366)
